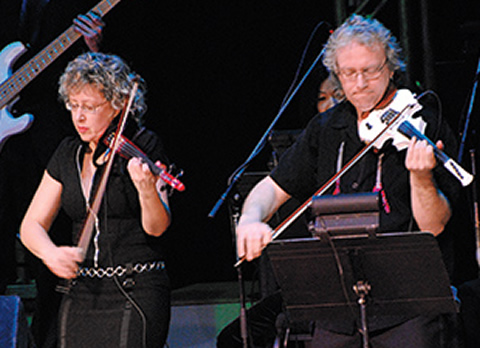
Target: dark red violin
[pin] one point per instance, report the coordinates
(127, 149)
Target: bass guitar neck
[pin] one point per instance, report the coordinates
(14, 83)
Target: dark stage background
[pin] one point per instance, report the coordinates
(217, 72)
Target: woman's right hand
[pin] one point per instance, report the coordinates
(63, 261)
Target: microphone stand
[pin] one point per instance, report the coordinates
(475, 209)
(469, 113)
(240, 170)
(234, 216)
(235, 177)
(476, 217)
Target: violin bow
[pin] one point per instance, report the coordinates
(301, 209)
(85, 234)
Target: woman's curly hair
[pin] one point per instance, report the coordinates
(110, 74)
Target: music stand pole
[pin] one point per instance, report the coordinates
(362, 289)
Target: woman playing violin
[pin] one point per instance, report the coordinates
(119, 294)
(363, 58)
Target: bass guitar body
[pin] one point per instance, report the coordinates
(10, 125)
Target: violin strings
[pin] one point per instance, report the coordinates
(130, 150)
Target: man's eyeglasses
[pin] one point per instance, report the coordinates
(91, 109)
(371, 73)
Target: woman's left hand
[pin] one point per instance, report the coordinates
(153, 200)
(141, 175)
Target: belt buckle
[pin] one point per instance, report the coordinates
(129, 282)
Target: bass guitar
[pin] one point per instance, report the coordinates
(13, 84)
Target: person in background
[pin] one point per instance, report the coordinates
(24, 156)
(329, 95)
(19, 155)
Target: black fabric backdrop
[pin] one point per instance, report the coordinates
(217, 72)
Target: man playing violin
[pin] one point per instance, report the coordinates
(363, 58)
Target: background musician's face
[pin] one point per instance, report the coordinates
(91, 113)
(364, 74)
(327, 96)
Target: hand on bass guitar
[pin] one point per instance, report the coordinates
(90, 26)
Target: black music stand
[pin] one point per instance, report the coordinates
(393, 273)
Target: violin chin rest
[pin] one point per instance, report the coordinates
(381, 124)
